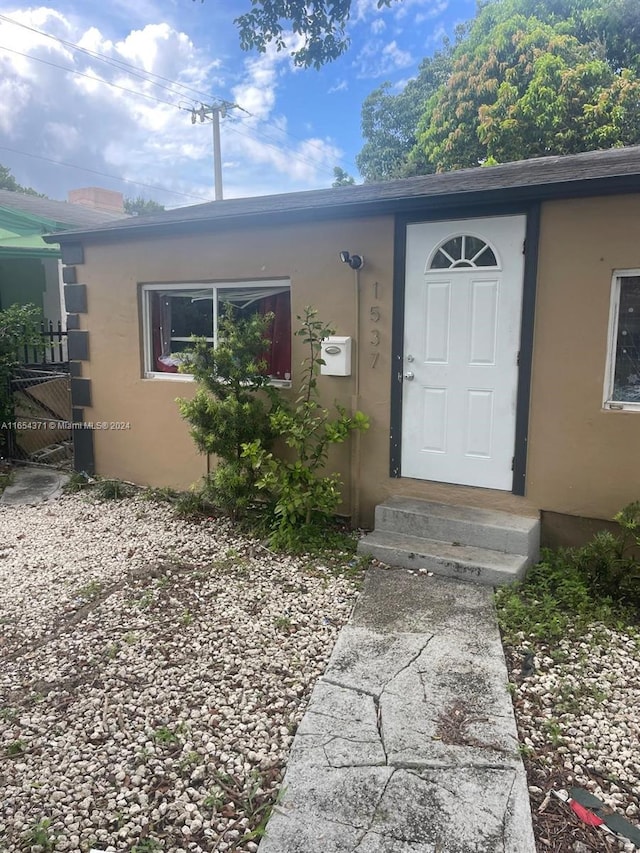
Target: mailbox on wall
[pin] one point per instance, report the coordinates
(336, 354)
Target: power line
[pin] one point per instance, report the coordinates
(102, 174)
(88, 76)
(145, 76)
(91, 77)
(114, 62)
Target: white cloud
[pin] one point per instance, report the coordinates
(378, 26)
(342, 86)
(377, 59)
(437, 8)
(432, 8)
(140, 134)
(397, 57)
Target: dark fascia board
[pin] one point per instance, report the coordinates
(15, 252)
(424, 205)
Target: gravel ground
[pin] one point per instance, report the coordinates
(152, 675)
(578, 711)
(153, 672)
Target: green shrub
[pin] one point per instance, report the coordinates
(19, 326)
(232, 406)
(297, 495)
(571, 588)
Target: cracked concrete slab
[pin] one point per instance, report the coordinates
(409, 743)
(340, 729)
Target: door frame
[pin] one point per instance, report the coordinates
(532, 239)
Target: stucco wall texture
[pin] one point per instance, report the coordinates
(582, 460)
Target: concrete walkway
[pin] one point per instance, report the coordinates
(33, 486)
(409, 743)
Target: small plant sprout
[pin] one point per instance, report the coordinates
(39, 836)
(91, 590)
(16, 747)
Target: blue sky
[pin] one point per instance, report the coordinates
(60, 105)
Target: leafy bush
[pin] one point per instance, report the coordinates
(297, 494)
(574, 587)
(19, 326)
(232, 406)
(236, 415)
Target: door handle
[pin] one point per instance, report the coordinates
(408, 376)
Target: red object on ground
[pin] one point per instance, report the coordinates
(585, 815)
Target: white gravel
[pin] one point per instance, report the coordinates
(578, 717)
(152, 674)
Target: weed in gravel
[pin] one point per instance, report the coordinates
(166, 737)
(186, 618)
(16, 747)
(113, 490)
(8, 714)
(189, 761)
(163, 495)
(39, 836)
(554, 598)
(214, 799)
(112, 650)
(77, 481)
(526, 751)
(90, 591)
(147, 845)
(145, 601)
(553, 730)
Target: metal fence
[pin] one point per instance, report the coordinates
(41, 427)
(52, 350)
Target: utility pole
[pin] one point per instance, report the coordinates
(214, 111)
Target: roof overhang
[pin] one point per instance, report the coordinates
(614, 172)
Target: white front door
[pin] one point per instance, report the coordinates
(463, 302)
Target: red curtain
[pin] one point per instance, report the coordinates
(278, 356)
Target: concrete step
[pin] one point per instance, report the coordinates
(463, 562)
(481, 528)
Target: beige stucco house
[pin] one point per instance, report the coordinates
(495, 327)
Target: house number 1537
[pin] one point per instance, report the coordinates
(374, 318)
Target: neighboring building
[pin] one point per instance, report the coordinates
(29, 267)
(496, 329)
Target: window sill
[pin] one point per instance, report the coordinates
(614, 406)
(188, 377)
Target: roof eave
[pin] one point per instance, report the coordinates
(599, 186)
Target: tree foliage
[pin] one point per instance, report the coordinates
(322, 26)
(526, 78)
(232, 405)
(139, 206)
(390, 121)
(19, 327)
(8, 182)
(342, 178)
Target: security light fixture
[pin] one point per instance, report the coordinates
(356, 262)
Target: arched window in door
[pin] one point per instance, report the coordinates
(464, 251)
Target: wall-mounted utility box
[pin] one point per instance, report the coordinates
(336, 354)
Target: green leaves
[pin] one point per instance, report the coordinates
(230, 419)
(322, 28)
(298, 493)
(526, 78)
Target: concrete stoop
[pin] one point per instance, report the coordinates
(409, 743)
(461, 542)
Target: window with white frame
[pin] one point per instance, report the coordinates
(174, 313)
(622, 388)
